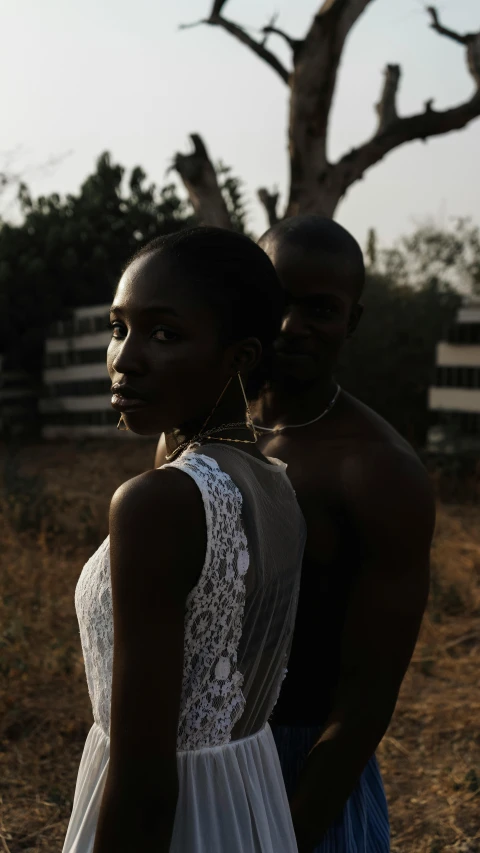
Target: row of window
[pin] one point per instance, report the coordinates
(464, 423)
(457, 377)
(464, 333)
(78, 389)
(102, 418)
(78, 326)
(67, 358)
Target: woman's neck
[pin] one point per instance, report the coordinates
(227, 421)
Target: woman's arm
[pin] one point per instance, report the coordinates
(157, 550)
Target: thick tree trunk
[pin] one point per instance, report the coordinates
(314, 186)
(322, 203)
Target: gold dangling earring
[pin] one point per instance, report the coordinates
(123, 428)
(248, 416)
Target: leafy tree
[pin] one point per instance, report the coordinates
(410, 300)
(69, 250)
(446, 256)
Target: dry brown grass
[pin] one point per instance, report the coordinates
(430, 756)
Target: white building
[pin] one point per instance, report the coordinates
(455, 396)
(76, 399)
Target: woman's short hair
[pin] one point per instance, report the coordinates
(237, 280)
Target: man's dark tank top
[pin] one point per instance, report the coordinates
(314, 666)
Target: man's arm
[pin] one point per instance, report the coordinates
(390, 505)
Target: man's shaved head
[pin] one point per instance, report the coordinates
(320, 266)
(321, 238)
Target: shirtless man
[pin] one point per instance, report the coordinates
(370, 517)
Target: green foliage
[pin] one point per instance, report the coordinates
(69, 251)
(232, 191)
(410, 300)
(371, 250)
(446, 256)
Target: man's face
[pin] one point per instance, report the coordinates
(321, 312)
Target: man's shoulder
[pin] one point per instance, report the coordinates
(378, 466)
(352, 429)
(374, 454)
(382, 480)
(362, 424)
(357, 475)
(360, 452)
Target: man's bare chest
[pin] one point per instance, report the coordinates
(315, 477)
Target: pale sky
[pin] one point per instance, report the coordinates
(118, 75)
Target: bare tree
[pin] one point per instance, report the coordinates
(317, 185)
(199, 177)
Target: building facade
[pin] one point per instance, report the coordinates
(76, 387)
(455, 395)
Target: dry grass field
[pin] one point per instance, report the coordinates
(53, 514)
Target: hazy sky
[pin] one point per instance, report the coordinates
(92, 75)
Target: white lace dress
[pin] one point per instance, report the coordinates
(238, 628)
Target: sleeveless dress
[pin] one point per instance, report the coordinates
(239, 621)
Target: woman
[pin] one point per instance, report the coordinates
(186, 611)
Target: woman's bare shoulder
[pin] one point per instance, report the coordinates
(149, 518)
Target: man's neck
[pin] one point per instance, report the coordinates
(280, 405)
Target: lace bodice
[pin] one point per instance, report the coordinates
(239, 617)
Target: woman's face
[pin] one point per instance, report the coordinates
(165, 350)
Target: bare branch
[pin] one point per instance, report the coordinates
(216, 20)
(295, 44)
(216, 11)
(192, 25)
(393, 131)
(470, 40)
(387, 106)
(436, 25)
(272, 23)
(270, 202)
(198, 175)
(217, 7)
(421, 126)
(257, 47)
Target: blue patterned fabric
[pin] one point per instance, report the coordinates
(363, 826)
